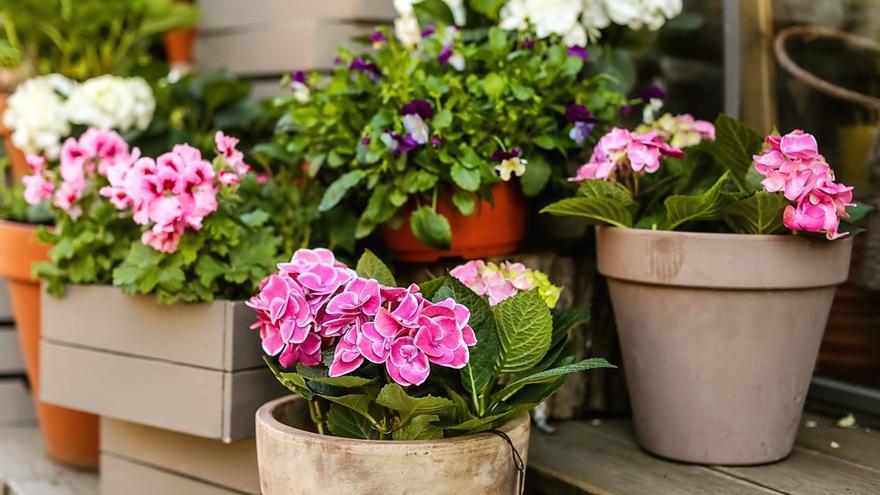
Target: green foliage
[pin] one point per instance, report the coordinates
(599, 202)
(709, 205)
(370, 266)
(86, 38)
(522, 355)
(505, 97)
(758, 214)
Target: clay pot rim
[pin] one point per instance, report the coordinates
(720, 236)
(265, 417)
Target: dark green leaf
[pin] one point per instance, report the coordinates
(370, 266)
(419, 428)
(395, 398)
(537, 174)
(552, 374)
(336, 191)
(464, 201)
(343, 422)
(707, 206)
(735, 144)
(759, 214)
(431, 228)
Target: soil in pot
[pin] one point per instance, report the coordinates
(494, 229)
(295, 460)
(71, 437)
(719, 334)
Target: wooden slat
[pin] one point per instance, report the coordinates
(130, 478)
(27, 471)
(16, 404)
(10, 352)
(806, 472)
(276, 49)
(226, 14)
(5, 307)
(582, 459)
(859, 446)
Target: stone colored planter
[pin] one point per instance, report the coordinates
(494, 229)
(719, 334)
(71, 437)
(295, 461)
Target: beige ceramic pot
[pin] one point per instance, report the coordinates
(295, 461)
(719, 334)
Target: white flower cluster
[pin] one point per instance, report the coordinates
(579, 21)
(407, 28)
(41, 110)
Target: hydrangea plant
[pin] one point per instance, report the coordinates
(380, 361)
(443, 119)
(732, 180)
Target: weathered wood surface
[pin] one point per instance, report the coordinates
(25, 469)
(597, 391)
(16, 405)
(5, 307)
(585, 457)
(11, 362)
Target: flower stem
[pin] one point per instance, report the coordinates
(315, 414)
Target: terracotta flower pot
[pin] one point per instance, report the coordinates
(179, 46)
(71, 437)
(294, 461)
(16, 157)
(719, 334)
(492, 230)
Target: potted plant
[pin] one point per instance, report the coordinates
(438, 135)
(720, 309)
(405, 386)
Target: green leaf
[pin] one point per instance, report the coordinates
(552, 374)
(758, 214)
(465, 178)
(464, 201)
(596, 210)
(358, 403)
(320, 374)
(395, 398)
(859, 211)
(734, 145)
(336, 191)
(419, 428)
(208, 269)
(443, 119)
(432, 12)
(493, 85)
(255, 218)
(488, 8)
(537, 174)
(545, 142)
(497, 39)
(525, 328)
(564, 320)
(431, 228)
(370, 266)
(707, 206)
(293, 381)
(343, 422)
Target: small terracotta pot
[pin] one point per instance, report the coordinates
(179, 46)
(492, 230)
(719, 334)
(16, 157)
(71, 437)
(294, 461)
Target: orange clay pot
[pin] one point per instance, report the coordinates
(16, 158)
(71, 437)
(179, 46)
(492, 230)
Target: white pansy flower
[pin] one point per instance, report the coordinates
(457, 61)
(36, 115)
(577, 36)
(594, 19)
(416, 127)
(408, 31)
(301, 92)
(458, 13)
(554, 16)
(111, 102)
(513, 15)
(624, 12)
(510, 167)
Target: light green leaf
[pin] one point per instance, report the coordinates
(419, 428)
(443, 119)
(293, 381)
(336, 191)
(493, 85)
(552, 374)
(595, 210)
(370, 266)
(759, 214)
(465, 178)
(464, 201)
(707, 206)
(255, 218)
(537, 174)
(525, 328)
(395, 398)
(431, 228)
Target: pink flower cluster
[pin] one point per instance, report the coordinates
(173, 192)
(493, 281)
(314, 302)
(628, 152)
(95, 152)
(791, 164)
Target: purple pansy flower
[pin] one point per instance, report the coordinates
(528, 43)
(652, 92)
(365, 66)
(429, 30)
(377, 38)
(365, 140)
(583, 121)
(501, 155)
(298, 76)
(578, 51)
(435, 140)
(419, 107)
(625, 110)
(445, 55)
(414, 115)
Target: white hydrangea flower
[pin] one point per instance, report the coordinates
(111, 102)
(554, 16)
(594, 18)
(625, 12)
(656, 12)
(513, 15)
(36, 115)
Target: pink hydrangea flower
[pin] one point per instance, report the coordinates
(498, 282)
(407, 364)
(626, 152)
(792, 165)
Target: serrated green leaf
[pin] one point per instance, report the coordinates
(564, 320)
(735, 144)
(343, 422)
(419, 428)
(336, 191)
(358, 403)
(758, 214)
(709, 205)
(394, 397)
(525, 328)
(595, 210)
(550, 375)
(431, 228)
(370, 266)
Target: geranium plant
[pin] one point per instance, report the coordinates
(732, 180)
(443, 118)
(377, 360)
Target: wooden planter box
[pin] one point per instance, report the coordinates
(5, 307)
(226, 14)
(139, 460)
(194, 369)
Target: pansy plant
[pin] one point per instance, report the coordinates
(443, 117)
(377, 360)
(726, 179)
